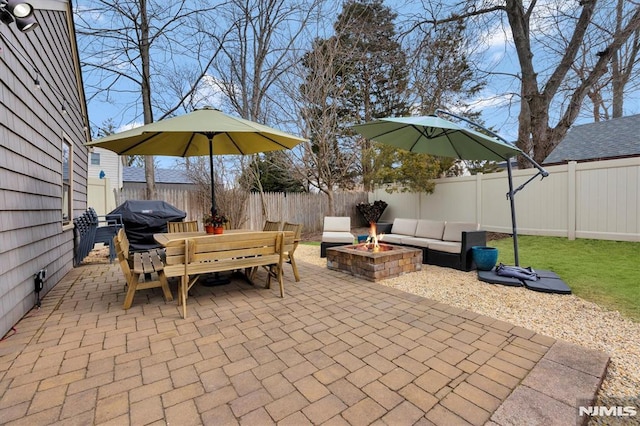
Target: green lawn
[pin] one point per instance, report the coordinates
(603, 272)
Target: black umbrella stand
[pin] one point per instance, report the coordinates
(512, 192)
(538, 280)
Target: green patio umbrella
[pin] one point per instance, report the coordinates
(205, 131)
(437, 136)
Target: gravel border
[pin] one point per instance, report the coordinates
(563, 317)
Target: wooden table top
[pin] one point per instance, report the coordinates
(165, 238)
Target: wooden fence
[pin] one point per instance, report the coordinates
(308, 209)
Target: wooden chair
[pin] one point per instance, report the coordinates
(272, 226)
(189, 226)
(144, 263)
(296, 228)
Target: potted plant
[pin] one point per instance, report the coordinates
(214, 224)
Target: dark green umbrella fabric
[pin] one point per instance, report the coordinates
(436, 136)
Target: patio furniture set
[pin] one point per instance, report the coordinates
(187, 254)
(442, 243)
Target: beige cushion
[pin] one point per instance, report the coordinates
(392, 238)
(446, 246)
(419, 242)
(337, 237)
(453, 230)
(430, 229)
(404, 226)
(337, 224)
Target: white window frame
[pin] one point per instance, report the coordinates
(67, 185)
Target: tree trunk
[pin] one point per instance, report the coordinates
(331, 203)
(149, 171)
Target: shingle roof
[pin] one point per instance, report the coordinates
(136, 174)
(619, 137)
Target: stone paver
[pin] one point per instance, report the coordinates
(336, 350)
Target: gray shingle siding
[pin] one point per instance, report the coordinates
(616, 138)
(136, 174)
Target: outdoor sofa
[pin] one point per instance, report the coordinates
(442, 243)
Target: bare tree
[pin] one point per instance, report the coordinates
(125, 49)
(549, 101)
(261, 44)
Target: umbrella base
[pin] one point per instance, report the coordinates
(492, 277)
(548, 281)
(213, 280)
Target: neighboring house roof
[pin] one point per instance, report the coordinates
(136, 174)
(616, 138)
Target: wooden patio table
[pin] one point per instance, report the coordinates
(191, 254)
(167, 237)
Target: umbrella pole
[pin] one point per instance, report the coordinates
(213, 192)
(513, 213)
(216, 279)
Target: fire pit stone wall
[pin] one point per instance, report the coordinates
(377, 266)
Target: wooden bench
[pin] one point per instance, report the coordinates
(143, 263)
(192, 257)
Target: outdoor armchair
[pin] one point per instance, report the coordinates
(335, 232)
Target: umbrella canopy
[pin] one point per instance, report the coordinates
(436, 136)
(205, 131)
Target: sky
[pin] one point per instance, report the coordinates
(499, 109)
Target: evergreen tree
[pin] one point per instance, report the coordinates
(372, 74)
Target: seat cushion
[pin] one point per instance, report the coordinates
(337, 237)
(404, 226)
(446, 246)
(430, 229)
(419, 242)
(453, 230)
(392, 238)
(337, 224)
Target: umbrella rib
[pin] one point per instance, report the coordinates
(262, 135)
(479, 141)
(151, 135)
(188, 145)
(446, 134)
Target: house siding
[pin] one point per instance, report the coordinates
(32, 130)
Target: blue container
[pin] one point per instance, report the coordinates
(484, 257)
(362, 238)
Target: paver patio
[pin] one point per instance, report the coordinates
(335, 350)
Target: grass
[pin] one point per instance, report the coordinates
(604, 272)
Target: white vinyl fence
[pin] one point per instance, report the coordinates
(599, 200)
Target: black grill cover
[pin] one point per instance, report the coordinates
(143, 218)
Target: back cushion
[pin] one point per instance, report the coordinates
(453, 230)
(337, 224)
(430, 229)
(404, 226)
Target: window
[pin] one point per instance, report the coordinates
(95, 158)
(66, 181)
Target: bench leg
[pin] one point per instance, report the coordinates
(131, 291)
(168, 297)
(294, 267)
(281, 281)
(184, 289)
